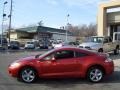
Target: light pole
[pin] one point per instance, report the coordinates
(67, 25)
(3, 17)
(10, 18)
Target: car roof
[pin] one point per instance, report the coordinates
(75, 48)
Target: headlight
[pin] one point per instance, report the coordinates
(15, 64)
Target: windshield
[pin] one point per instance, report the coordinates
(44, 54)
(95, 39)
(56, 43)
(30, 43)
(14, 42)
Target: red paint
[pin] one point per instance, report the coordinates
(64, 68)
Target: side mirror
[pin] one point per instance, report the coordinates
(53, 59)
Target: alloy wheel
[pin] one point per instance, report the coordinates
(28, 75)
(95, 75)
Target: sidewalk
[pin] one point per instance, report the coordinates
(117, 62)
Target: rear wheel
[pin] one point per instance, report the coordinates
(28, 75)
(116, 51)
(95, 74)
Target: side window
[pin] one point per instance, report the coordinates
(79, 54)
(64, 54)
(49, 57)
(106, 40)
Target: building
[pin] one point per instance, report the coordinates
(40, 33)
(108, 22)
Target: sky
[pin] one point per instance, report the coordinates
(53, 13)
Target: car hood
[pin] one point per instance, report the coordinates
(90, 44)
(27, 59)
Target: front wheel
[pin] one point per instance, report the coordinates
(95, 74)
(116, 51)
(28, 75)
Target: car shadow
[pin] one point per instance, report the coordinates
(114, 78)
(64, 83)
(114, 57)
(70, 82)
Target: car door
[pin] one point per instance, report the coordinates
(111, 44)
(64, 64)
(106, 45)
(80, 59)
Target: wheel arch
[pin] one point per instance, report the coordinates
(28, 66)
(95, 65)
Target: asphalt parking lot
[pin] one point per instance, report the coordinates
(8, 83)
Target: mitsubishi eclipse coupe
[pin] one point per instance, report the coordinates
(64, 62)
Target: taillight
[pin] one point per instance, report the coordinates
(108, 59)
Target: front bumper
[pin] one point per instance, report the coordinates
(13, 71)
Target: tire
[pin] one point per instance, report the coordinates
(116, 51)
(28, 75)
(100, 50)
(95, 74)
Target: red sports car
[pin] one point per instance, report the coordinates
(65, 62)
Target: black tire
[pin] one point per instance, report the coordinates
(93, 77)
(100, 50)
(30, 76)
(116, 51)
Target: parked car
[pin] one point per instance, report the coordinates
(65, 62)
(57, 44)
(30, 45)
(44, 44)
(102, 44)
(3, 44)
(76, 44)
(14, 45)
(70, 44)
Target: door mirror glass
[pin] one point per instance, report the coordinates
(53, 58)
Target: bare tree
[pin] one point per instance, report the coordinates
(40, 23)
(83, 30)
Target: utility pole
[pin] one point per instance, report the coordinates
(67, 25)
(10, 18)
(3, 17)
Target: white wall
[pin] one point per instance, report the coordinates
(113, 17)
(63, 37)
